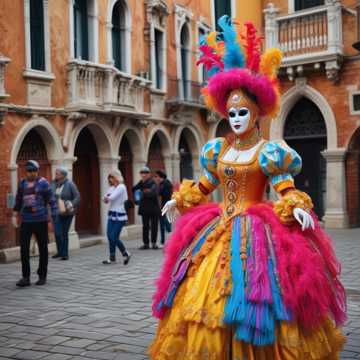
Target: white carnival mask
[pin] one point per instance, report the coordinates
(239, 119)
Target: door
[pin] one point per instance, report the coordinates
(186, 165)
(86, 177)
(156, 158)
(305, 131)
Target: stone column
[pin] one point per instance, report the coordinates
(196, 166)
(271, 26)
(175, 167)
(105, 166)
(335, 206)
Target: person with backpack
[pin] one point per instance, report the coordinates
(117, 198)
(68, 200)
(33, 197)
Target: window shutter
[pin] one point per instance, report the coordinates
(37, 35)
(81, 36)
(116, 36)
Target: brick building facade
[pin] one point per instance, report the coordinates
(99, 84)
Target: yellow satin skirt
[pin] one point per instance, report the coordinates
(193, 329)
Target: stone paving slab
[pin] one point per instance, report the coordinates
(90, 311)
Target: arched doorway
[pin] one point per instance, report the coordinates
(186, 159)
(33, 148)
(86, 176)
(156, 157)
(305, 131)
(353, 179)
(223, 128)
(126, 168)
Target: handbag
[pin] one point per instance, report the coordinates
(128, 204)
(62, 207)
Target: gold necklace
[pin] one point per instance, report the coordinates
(248, 142)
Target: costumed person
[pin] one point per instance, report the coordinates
(247, 279)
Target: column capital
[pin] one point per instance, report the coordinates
(334, 155)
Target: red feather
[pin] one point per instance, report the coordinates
(209, 58)
(252, 46)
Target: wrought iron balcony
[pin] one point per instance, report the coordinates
(310, 39)
(97, 87)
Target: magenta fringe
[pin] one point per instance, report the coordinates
(186, 228)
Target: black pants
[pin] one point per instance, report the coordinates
(40, 230)
(148, 220)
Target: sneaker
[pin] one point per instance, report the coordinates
(23, 282)
(55, 256)
(41, 281)
(155, 247)
(107, 262)
(127, 258)
(144, 247)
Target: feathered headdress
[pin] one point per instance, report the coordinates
(233, 60)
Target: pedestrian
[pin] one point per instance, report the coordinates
(33, 197)
(165, 192)
(116, 197)
(68, 201)
(149, 207)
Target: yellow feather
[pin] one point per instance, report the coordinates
(211, 40)
(270, 62)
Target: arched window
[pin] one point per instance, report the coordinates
(118, 33)
(185, 61)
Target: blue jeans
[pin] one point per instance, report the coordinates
(62, 227)
(113, 233)
(164, 226)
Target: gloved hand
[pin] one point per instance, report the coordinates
(170, 211)
(304, 219)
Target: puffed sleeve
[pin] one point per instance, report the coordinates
(208, 160)
(280, 163)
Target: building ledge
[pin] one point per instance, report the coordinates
(38, 75)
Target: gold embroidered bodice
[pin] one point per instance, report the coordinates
(243, 183)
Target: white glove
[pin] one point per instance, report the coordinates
(170, 210)
(14, 221)
(304, 219)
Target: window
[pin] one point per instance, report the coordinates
(81, 37)
(159, 63)
(37, 40)
(203, 72)
(356, 102)
(306, 4)
(118, 35)
(222, 7)
(185, 59)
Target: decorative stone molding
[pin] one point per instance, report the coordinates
(3, 63)
(332, 70)
(157, 12)
(69, 125)
(95, 87)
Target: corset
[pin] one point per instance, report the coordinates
(243, 183)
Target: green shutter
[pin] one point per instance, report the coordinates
(37, 35)
(222, 7)
(116, 36)
(81, 36)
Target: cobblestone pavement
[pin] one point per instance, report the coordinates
(91, 311)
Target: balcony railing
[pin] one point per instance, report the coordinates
(185, 91)
(311, 36)
(96, 87)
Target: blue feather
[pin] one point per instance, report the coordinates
(233, 55)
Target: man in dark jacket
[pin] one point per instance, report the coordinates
(165, 192)
(33, 197)
(149, 207)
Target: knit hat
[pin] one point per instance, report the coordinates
(32, 165)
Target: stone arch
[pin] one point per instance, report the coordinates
(194, 141)
(102, 136)
(50, 137)
(128, 29)
(137, 141)
(166, 148)
(288, 101)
